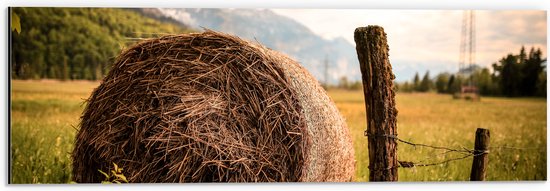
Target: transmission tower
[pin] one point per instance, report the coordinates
(467, 43)
(467, 57)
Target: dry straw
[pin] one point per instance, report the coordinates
(210, 107)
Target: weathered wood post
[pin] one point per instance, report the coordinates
(481, 152)
(372, 51)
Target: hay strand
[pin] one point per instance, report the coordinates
(204, 107)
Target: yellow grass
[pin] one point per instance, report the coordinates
(436, 119)
(44, 114)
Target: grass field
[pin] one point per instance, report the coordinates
(44, 116)
(439, 120)
(46, 113)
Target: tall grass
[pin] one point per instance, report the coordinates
(439, 120)
(45, 114)
(43, 117)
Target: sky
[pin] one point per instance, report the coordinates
(430, 39)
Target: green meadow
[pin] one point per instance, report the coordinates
(45, 115)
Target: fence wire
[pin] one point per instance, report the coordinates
(466, 153)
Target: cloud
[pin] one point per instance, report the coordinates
(430, 39)
(503, 32)
(523, 26)
(182, 16)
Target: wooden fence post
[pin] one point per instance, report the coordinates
(372, 51)
(481, 152)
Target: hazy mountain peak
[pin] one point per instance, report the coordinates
(279, 33)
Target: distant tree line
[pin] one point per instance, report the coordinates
(345, 83)
(514, 75)
(77, 43)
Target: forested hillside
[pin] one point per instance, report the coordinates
(77, 43)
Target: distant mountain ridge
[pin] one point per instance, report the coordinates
(279, 33)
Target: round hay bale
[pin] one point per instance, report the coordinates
(210, 107)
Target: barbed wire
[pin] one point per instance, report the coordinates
(516, 148)
(409, 164)
(465, 151)
(447, 150)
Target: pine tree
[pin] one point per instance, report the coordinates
(416, 82)
(441, 82)
(426, 83)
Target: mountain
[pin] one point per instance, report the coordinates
(279, 33)
(469, 70)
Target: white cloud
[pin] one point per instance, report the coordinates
(181, 16)
(432, 37)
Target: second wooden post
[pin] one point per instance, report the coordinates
(481, 158)
(372, 51)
